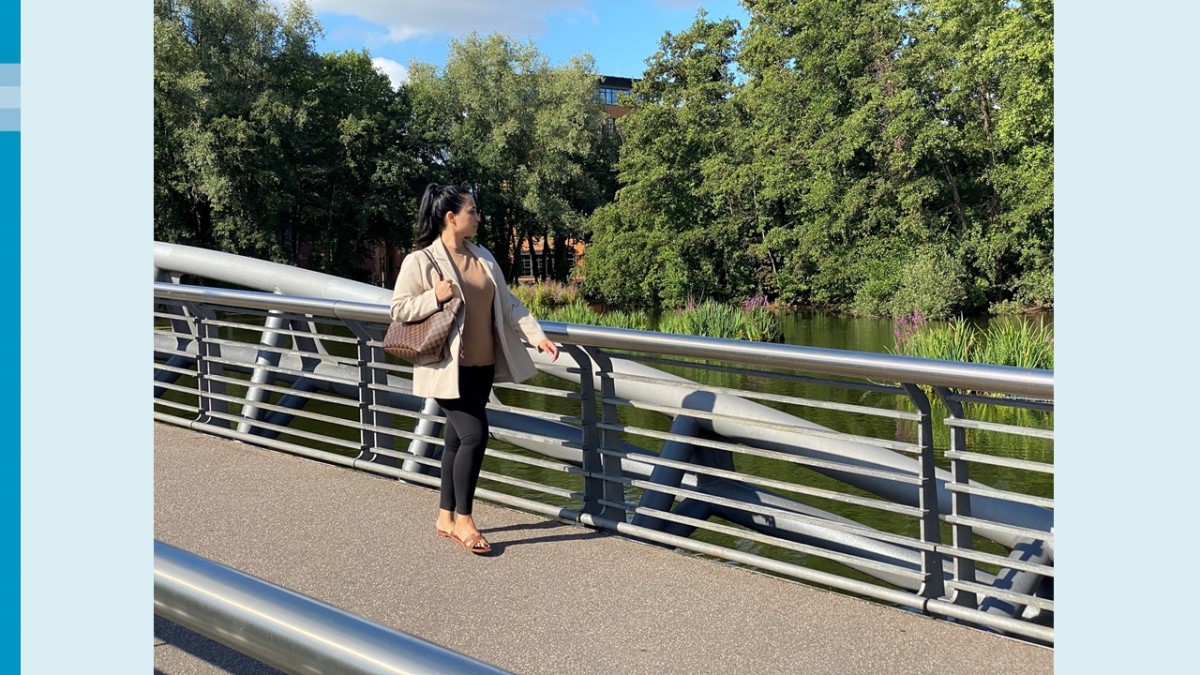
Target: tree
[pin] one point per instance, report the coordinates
(865, 154)
(526, 136)
(675, 143)
(264, 147)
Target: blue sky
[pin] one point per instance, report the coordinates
(619, 34)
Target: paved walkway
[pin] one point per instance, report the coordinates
(553, 598)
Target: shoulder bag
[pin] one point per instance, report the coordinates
(423, 342)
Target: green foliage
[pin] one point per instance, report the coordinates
(264, 147)
(876, 155)
(707, 319)
(1007, 342)
(932, 282)
(714, 319)
(953, 340)
(619, 319)
(760, 325)
(576, 312)
(543, 297)
(620, 265)
(1017, 342)
(528, 136)
(526, 294)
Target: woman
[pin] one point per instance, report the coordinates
(484, 345)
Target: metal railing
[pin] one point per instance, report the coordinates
(816, 464)
(285, 629)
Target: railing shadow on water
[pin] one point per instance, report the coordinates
(924, 484)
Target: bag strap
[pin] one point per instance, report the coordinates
(433, 262)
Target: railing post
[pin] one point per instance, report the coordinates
(593, 485)
(268, 357)
(612, 491)
(182, 328)
(420, 447)
(933, 582)
(960, 502)
(206, 367)
(368, 418)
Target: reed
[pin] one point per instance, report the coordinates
(712, 319)
(1020, 343)
(544, 297)
(759, 323)
(634, 320)
(753, 320)
(576, 312)
(1009, 342)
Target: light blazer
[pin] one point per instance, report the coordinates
(414, 300)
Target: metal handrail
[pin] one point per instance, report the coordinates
(285, 629)
(971, 376)
(590, 441)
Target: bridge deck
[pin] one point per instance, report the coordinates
(552, 598)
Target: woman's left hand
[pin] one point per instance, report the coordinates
(547, 346)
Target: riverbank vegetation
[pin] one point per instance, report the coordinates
(753, 320)
(1013, 341)
(869, 157)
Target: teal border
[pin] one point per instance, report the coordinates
(10, 362)
(10, 31)
(10, 396)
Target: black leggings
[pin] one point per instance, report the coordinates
(466, 437)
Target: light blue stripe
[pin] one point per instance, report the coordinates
(10, 74)
(10, 119)
(10, 97)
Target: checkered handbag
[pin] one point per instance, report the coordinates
(423, 342)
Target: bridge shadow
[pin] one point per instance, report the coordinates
(207, 650)
(498, 548)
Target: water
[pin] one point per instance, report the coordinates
(837, 332)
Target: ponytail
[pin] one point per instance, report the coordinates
(435, 203)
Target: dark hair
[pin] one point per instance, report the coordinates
(437, 200)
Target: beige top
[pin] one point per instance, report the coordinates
(414, 300)
(479, 347)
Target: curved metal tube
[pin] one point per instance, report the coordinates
(285, 629)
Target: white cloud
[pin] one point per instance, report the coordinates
(396, 72)
(411, 18)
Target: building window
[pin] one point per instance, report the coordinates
(526, 265)
(608, 95)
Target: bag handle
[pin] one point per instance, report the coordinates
(433, 262)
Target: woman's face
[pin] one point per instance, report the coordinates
(466, 221)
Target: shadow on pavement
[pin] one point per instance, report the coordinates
(210, 651)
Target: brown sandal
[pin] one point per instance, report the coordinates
(474, 544)
(441, 533)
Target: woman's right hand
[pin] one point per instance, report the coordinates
(443, 289)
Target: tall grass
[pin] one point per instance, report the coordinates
(634, 320)
(751, 321)
(754, 320)
(576, 312)
(707, 319)
(580, 312)
(546, 296)
(1015, 342)
(1009, 342)
(759, 323)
